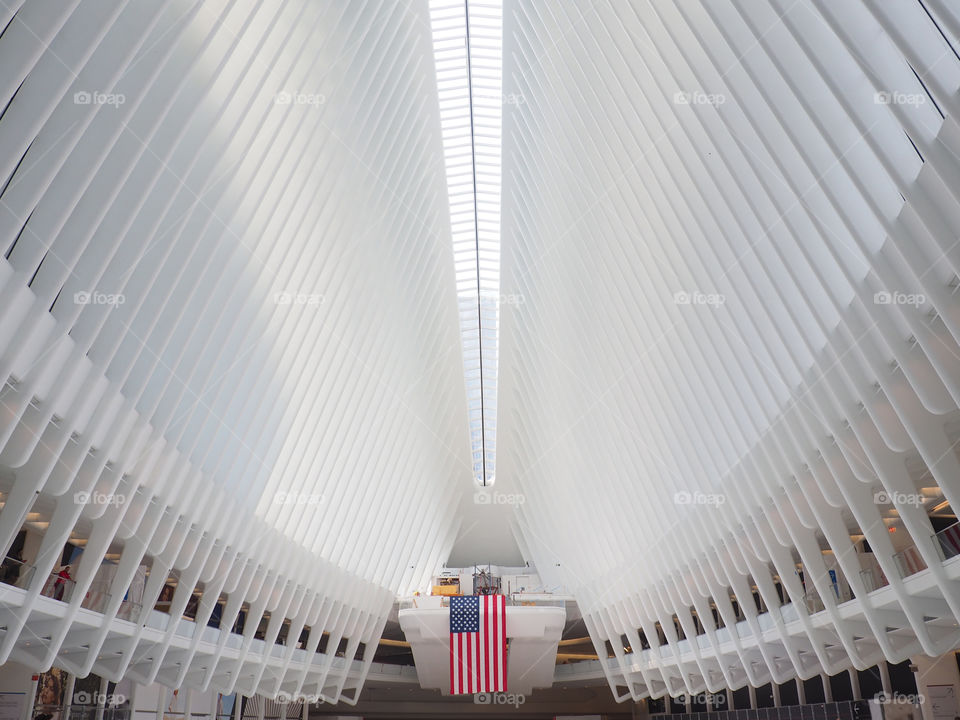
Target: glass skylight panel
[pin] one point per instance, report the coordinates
(467, 49)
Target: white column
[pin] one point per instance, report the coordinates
(827, 690)
(101, 698)
(776, 694)
(753, 697)
(855, 683)
(28, 705)
(68, 695)
(730, 699)
(801, 692)
(885, 678)
(163, 699)
(132, 700)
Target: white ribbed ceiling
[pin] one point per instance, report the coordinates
(251, 250)
(228, 288)
(735, 227)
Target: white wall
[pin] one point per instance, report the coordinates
(201, 705)
(17, 678)
(936, 671)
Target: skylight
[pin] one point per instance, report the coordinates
(467, 49)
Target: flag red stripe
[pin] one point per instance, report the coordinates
(496, 664)
(474, 637)
(453, 670)
(503, 643)
(486, 642)
(479, 667)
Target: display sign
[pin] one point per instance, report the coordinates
(11, 705)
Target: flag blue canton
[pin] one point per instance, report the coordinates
(465, 614)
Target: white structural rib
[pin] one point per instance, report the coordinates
(228, 329)
(734, 225)
(466, 40)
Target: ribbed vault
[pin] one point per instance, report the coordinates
(728, 361)
(734, 225)
(228, 299)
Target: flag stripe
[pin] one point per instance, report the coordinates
(496, 665)
(503, 645)
(487, 617)
(476, 662)
(491, 641)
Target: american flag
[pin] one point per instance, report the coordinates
(478, 644)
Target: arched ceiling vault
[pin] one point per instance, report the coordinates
(232, 304)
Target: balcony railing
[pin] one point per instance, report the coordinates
(18, 573)
(442, 601)
(847, 710)
(909, 561)
(873, 579)
(947, 542)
